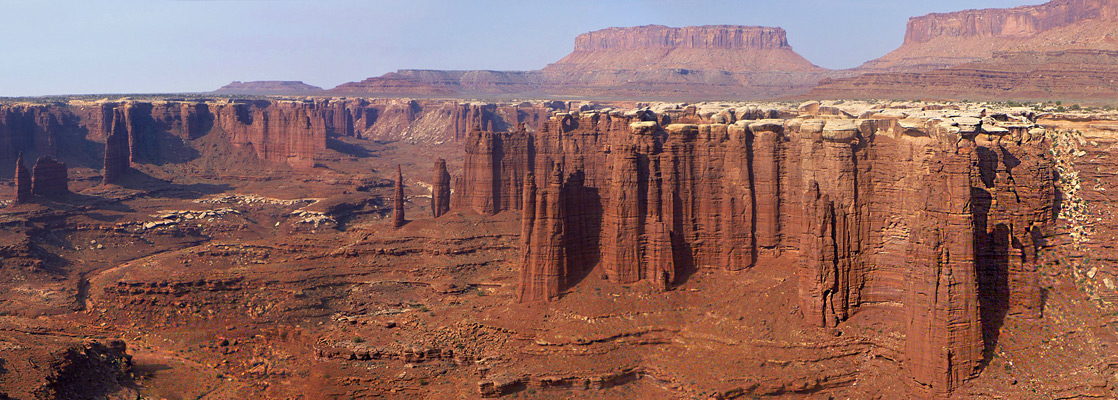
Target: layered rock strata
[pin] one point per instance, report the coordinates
(938, 217)
(1063, 49)
(440, 189)
(943, 40)
(49, 177)
(121, 134)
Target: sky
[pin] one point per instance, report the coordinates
(171, 46)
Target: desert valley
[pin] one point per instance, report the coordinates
(692, 212)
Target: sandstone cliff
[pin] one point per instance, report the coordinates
(943, 40)
(1063, 49)
(935, 216)
(115, 136)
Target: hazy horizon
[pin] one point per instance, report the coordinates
(82, 47)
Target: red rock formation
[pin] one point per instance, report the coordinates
(543, 242)
(117, 150)
(1060, 49)
(876, 212)
(440, 189)
(23, 181)
(943, 341)
(398, 200)
(657, 61)
(48, 177)
(943, 40)
(496, 163)
(722, 47)
(32, 129)
(289, 132)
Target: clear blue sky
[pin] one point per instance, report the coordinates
(159, 46)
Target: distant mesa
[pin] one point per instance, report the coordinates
(653, 61)
(268, 88)
(1063, 49)
(944, 40)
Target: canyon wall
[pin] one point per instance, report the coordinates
(1013, 22)
(945, 40)
(937, 217)
(114, 136)
(49, 177)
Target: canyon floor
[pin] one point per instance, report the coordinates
(272, 282)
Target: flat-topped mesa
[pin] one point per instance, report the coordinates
(440, 189)
(657, 52)
(23, 181)
(49, 177)
(695, 37)
(398, 199)
(269, 88)
(915, 213)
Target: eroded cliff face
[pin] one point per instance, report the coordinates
(934, 219)
(948, 39)
(49, 177)
(115, 136)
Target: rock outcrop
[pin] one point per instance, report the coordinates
(23, 181)
(492, 180)
(440, 189)
(938, 218)
(49, 177)
(398, 219)
(543, 240)
(118, 152)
